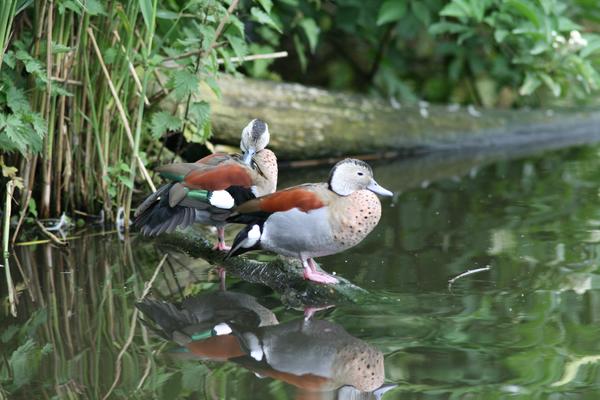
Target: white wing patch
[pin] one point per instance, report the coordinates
(221, 199)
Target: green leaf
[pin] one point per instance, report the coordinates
(238, 45)
(391, 11)
(531, 83)
(526, 9)
(457, 9)
(263, 18)
(500, 35)
(421, 12)
(312, 32)
(550, 83)
(213, 85)
(94, 7)
(15, 99)
(540, 47)
(183, 83)
(267, 5)
(300, 50)
(200, 117)
(25, 362)
(125, 181)
(237, 24)
(190, 374)
(146, 8)
(162, 122)
(447, 27)
(200, 113)
(166, 14)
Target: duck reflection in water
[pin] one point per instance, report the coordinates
(316, 356)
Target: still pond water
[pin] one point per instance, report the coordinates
(529, 327)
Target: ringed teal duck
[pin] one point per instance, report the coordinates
(207, 191)
(314, 219)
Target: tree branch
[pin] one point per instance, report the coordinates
(283, 275)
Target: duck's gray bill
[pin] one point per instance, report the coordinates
(247, 157)
(375, 188)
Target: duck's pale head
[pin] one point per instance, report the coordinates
(350, 175)
(255, 137)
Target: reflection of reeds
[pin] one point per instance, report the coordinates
(88, 294)
(10, 186)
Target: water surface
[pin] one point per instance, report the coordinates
(526, 328)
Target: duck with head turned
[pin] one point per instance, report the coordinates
(207, 191)
(314, 219)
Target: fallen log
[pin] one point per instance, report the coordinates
(284, 275)
(310, 123)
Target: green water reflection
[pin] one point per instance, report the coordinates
(527, 328)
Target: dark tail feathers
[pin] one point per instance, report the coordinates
(166, 316)
(155, 216)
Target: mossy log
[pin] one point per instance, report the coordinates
(284, 275)
(313, 123)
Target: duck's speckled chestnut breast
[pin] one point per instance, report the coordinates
(356, 216)
(267, 162)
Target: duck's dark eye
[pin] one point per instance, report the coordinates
(360, 174)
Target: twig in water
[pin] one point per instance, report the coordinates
(53, 238)
(467, 273)
(134, 318)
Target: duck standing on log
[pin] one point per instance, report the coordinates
(207, 191)
(314, 219)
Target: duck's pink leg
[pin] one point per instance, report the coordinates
(311, 273)
(220, 245)
(222, 278)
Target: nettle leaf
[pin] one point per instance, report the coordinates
(162, 122)
(15, 99)
(236, 24)
(208, 35)
(13, 129)
(32, 65)
(238, 44)
(264, 18)
(200, 113)
(183, 83)
(391, 11)
(200, 117)
(311, 30)
(213, 85)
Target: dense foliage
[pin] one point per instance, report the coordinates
(486, 52)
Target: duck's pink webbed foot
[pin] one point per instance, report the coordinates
(311, 273)
(220, 245)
